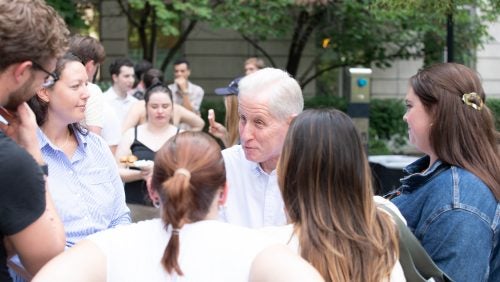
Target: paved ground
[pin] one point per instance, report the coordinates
(140, 212)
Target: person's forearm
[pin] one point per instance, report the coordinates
(52, 234)
(129, 175)
(186, 103)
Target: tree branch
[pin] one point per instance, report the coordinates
(303, 31)
(152, 43)
(309, 68)
(182, 38)
(259, 48)
(364, 61)
(129, 16)
(141, 30)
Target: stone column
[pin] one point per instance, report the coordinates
(114, 34)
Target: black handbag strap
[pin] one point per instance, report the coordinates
(416, 263)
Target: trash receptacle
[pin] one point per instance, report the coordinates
(387, 170)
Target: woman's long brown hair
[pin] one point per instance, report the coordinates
(232, 120)
(326, 185)
(186, 199)
(460, 135)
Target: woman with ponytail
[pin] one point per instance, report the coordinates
(188, 243)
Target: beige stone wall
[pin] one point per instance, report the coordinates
(113, 34)
(488, 63)
(393, 82)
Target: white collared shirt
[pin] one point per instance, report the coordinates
(195, 93)
(254, 199)
(120, 105)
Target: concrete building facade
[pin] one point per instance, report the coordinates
(393, 82)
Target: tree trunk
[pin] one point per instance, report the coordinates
(182, 38)
(304, 28)
(256, 45)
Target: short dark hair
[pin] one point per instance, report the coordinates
(87, 48)
(152, 76)
(116, 65)
(181, 61)
(141, 67)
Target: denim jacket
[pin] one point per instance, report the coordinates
(456, 218)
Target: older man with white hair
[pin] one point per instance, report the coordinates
(268, 101)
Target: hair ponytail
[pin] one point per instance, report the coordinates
(189, 171)
(177, 189)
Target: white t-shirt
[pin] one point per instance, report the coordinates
(195, 94)
(94, 107)
(254, 199)
(210, 250)
(121, 105)
(99, 113)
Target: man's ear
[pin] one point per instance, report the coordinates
(114, 78)
(290, 118)
(22, 71)
(223, 195)
(89, 67)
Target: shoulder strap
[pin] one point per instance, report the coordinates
(135, 133)
(417, 264)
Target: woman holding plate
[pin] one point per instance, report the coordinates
(143, 141)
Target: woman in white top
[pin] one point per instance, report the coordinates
(187, 244)
(326, 185)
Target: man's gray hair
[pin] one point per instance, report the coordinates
(283, 91)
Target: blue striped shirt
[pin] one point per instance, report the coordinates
(87, 189)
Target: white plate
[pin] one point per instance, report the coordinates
(143, 164)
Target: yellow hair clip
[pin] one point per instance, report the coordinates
(474, 100)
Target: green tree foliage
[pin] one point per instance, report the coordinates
(70, 11)
(429, 18)
(152, 16)
(342, 32)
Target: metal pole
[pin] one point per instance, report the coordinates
(449, 38)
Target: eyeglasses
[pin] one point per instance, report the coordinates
(50, 80)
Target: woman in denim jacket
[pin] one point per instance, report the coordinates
(450, 197)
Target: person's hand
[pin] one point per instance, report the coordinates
(146, 173)
(22, 129)
(216, 129)
(182, 84)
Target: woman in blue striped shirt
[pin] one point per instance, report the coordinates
(83, 176)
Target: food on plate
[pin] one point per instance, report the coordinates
(128, 160)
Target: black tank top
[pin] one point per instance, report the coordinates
(136, 192)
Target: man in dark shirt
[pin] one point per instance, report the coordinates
(32, 37)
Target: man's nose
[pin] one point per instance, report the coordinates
(246, 132)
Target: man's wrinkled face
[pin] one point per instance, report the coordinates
(261, 133)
